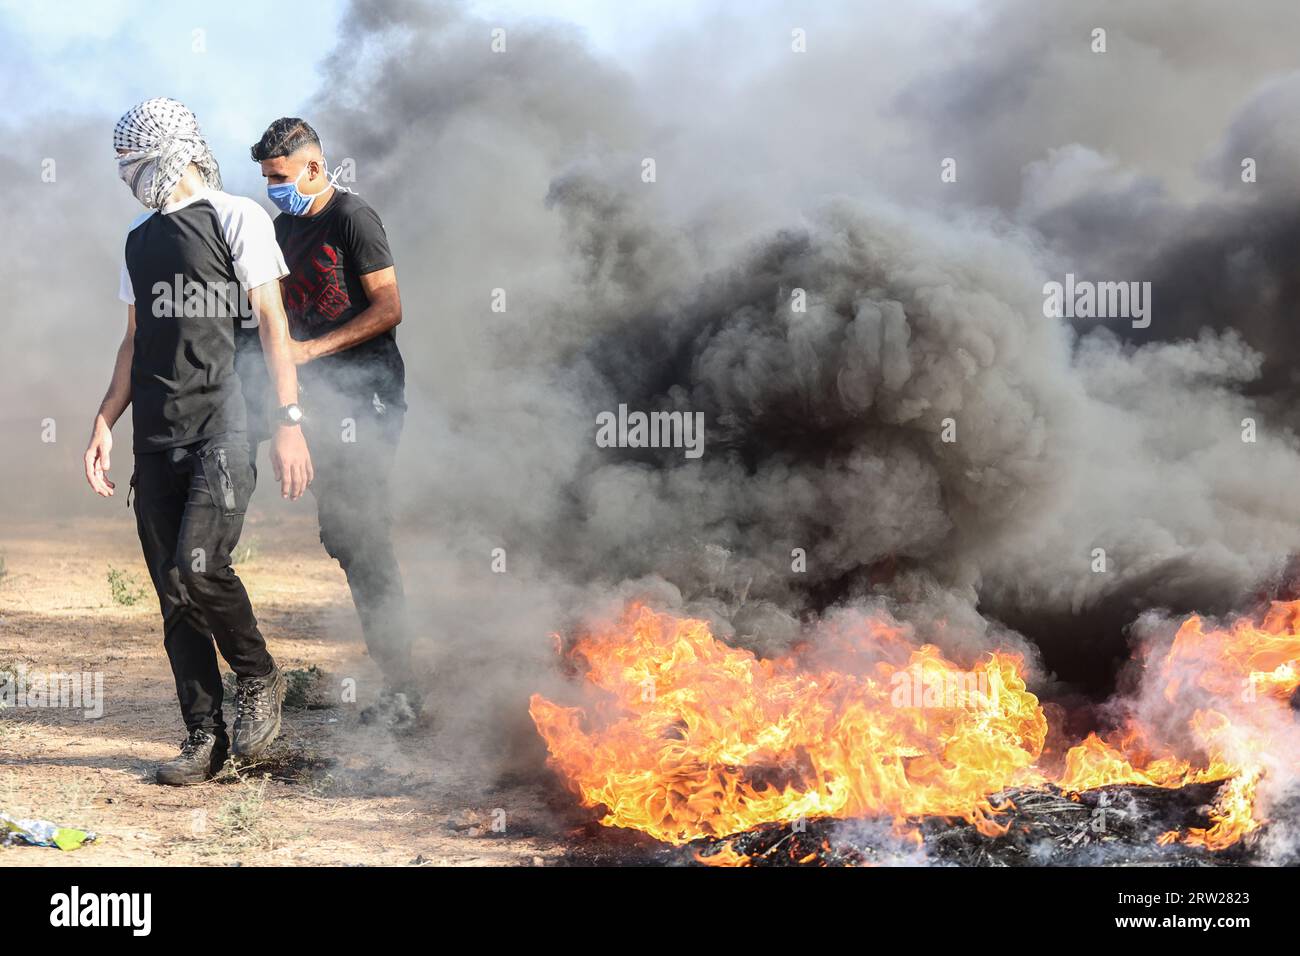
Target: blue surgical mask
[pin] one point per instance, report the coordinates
(288, 199)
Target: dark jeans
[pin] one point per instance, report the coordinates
(189, 510)
(352, 446)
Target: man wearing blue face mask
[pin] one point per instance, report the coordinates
(343, 305)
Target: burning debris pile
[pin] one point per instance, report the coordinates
(1043, 827)
(798, 760)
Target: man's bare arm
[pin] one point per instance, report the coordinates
(115, 402)
(289, 455)
(383, 313)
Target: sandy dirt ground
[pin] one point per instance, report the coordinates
(334, 791)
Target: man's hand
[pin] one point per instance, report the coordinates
(116, 399)
(96, 460)
(291, 461)
(383, 314)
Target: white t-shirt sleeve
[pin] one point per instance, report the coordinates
(251, 238)
(125, 292)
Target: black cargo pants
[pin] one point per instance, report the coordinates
(353, 446)
(189, 511)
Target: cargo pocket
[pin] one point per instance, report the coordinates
(221, 485)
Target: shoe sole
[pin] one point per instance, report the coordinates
(244, 753)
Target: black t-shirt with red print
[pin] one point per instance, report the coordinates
(327, 255)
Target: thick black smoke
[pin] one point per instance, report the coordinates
(826, 427)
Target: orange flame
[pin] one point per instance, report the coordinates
(1239, 681)
(692, 738)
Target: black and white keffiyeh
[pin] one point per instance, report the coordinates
(163, 138)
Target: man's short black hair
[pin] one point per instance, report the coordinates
(284, 137)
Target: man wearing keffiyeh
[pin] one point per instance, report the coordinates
(156, 141)
(200, 266)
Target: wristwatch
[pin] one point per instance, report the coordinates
(290, 414)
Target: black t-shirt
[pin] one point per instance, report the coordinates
(187, 270)
(327, 255)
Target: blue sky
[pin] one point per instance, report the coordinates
(80, 58)
(96, 54)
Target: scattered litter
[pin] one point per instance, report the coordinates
(14, 831)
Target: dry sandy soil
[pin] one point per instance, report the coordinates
(334, 792)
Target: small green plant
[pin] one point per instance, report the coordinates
(243, 814)
(305, 690)
(125, 589)
(242, 823)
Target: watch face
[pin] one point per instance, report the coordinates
(292, 414)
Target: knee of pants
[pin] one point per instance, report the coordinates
(182, 617)
(200, 574)
(362, 550)
(335, 540)
(345, 534)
